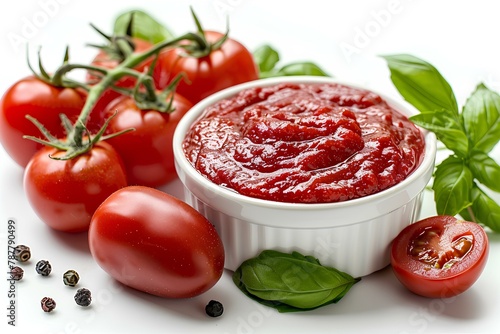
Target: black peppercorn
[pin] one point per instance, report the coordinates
(71, 278)
(43, 267)
(22, 253)
(16, 273)
(83, 297)
(214, 308)
(48, 304)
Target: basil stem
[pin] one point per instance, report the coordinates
(484, 210)
(291, 282)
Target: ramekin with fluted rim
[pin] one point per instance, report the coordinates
(353, 236)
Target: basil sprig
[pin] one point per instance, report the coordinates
(267, 59)
(291, 282)
(462, 180)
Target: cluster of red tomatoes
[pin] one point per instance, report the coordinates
(140, 157)
(109, 190)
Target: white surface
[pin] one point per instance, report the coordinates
(459, 37)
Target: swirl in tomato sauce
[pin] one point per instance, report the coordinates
(304, 143)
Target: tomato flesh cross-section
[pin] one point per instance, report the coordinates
(440, 256)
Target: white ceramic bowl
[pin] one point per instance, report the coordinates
(353, 236)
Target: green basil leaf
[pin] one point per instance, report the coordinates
(266, 58)
(485, 170)
(291, 282)
(447, 129)
(421, 84)
(452, 185)
(301, 68)
(485, 210)
(481, 118)
(144, 26)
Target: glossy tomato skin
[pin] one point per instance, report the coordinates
(103, 59)
(155, 243)
(230, 65)
(147, 151)
(462, 244)
(65, 193)
(32, 96)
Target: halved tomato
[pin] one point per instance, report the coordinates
(439, 257)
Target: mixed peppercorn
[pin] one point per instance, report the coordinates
(71, 278)
(83, 296)
(43, 267)
(22, 253)
(214, 308)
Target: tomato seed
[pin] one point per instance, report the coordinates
(459, 248)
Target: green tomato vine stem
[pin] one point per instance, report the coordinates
(110, 76)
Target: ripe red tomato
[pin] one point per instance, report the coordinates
(440, 256)
(65, 193)
(154, 242)
(109, 61)
(31, 96)
(227, 66)
(147, 152)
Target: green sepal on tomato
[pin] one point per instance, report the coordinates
(65, 193)
(147, 151)
(440, 256)
(109, 56)
(220, 63)
(156, 243)
(217, 63)
(228, 65)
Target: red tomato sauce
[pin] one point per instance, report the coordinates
(304, 143)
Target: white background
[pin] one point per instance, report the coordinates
(345, 37)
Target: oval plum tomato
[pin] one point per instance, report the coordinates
(439, 257)
(65, 193)
(147, 152)
(155, 243)
(109, 61)
(32, 96)
(227, 66)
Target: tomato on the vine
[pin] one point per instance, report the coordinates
(155, 243)
(41, 100)
(440, 256)
(65, 193)
(109, 61)
(226, 66)
(147, 151)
